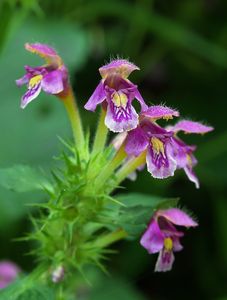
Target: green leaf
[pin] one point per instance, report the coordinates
(133, 199)
(137, 212)
(22, 178)
(27, 288)
(37, 292)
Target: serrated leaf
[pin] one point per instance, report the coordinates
(22, 178)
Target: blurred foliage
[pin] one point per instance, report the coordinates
(181, 47)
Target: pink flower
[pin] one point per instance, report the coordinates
(8, 273)
(183, 153)
(163, 237)
(155, 140)
(117, 93)
(52, 77)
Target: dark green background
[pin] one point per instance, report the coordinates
(181, 48)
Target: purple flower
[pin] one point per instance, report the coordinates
(52, 77)
(163, 237)
(117, 142)
(116, 92)
(155, 140)
(8, 273)
(183, 153)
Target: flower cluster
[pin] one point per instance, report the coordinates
(165, 151)
(140, 141)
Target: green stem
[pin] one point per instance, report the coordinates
(74, 117)
(110, 238)
(130, 166)
(101, 134)
(110, 167)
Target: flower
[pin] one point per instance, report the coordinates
(52, 77)
(8, 273)
(183, 153)
(58, 274)
(117, 142)
(161, 236)
(157, 141)
(116, 93)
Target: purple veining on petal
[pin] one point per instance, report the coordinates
(165, 261)
(162, 236)
(120, 67)
(161, 164)
(51, 77)
(30, 95)
(160, 112)
(191, 127)
(120, 119)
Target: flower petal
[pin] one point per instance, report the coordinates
(165, 261)
(44, 51)
(8, 273)
(152, 239)
(120, 67)
(52, 82)
(177, 217)
(160, 112)
(31, 94)
(119, 119)
(136, 142)
(23, 80)
(96, 98)
(191, 176)
(176, 244)
(161, 164)
(191, 127)
(140, 99)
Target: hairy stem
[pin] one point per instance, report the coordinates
(130, 166)
(74, 117)
(101, 134)
(111, 238)
(110, 167)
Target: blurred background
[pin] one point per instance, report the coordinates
(181, 48)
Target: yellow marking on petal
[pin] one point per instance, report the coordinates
(120, 99)
(189, 160)
(157, 145)
(34, 81)
(168, 244)
(169, 117)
